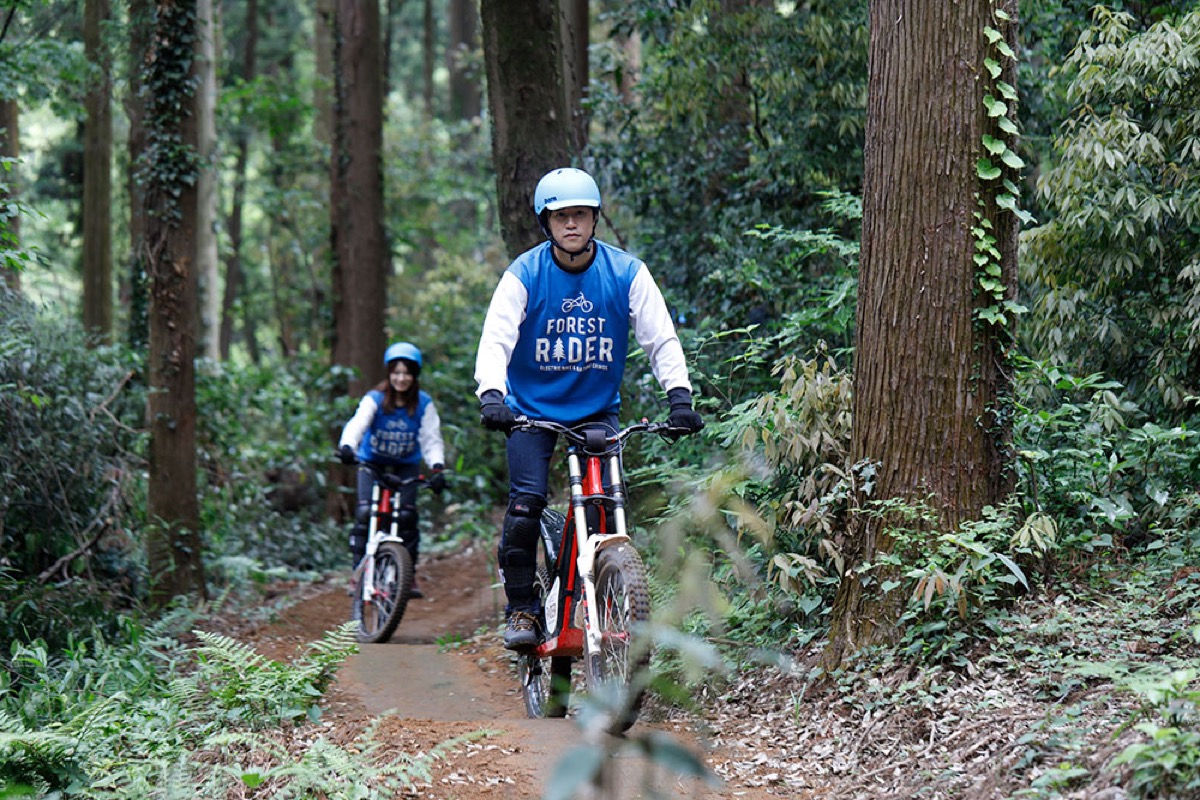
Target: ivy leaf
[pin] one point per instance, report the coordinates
(993, 315)
(991, 285)
(995, 108)
(1005, 50)
(1013, 160)
(986, 170)
(1008, 126)
(1006, 201)
(1015, 308)
(992, 34)
(993, 67)
(993, 145)
(1006, 90)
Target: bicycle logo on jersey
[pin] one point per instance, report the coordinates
(581, 302)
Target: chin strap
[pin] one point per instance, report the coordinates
(586, 247)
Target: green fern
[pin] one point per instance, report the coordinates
(247, 688)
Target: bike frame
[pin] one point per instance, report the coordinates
(565, 636)
(382, 499)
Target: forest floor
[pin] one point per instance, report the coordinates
(444, 688)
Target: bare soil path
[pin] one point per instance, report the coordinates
(444, 675)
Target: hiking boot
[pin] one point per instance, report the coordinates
(415, 592)
(521, 633)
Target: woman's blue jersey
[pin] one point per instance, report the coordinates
(393, 438)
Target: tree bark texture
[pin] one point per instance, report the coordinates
(360, 256)
(10, 147)
(929, 376)
(97, 179)
(531, 128)
(173, 547)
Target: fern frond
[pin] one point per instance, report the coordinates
(223, 649)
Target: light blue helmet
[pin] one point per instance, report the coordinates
(405, 350)
(563, 188)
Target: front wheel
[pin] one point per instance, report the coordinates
(379, 614)
(618, 672)
(545, 682)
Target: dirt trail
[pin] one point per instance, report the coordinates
(444, 675)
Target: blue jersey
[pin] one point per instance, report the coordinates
(393, 438)
(570, 357)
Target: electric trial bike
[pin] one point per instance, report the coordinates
(381, 583)
(591, 582)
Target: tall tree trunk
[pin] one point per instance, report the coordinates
(97, 180)
(360, 259)
(135, 293)
(576, 36)
(929, 377)
(173, 547)
(531, 128)
(207, 259)
(465, 102)
(234, 278)
(10, 147)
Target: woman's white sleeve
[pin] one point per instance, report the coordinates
(655, 332)
(501, 329)
(358, 425)
(430, 437)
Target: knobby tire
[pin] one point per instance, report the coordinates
(545, 682)
(623, 598)
(378, 619)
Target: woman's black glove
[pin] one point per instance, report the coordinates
(494, 415)
(437, 481)
(346, 454)
(682, 414)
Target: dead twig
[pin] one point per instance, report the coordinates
(96, 523)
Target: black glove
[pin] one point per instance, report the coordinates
(682, 414)
(347, 455)
(494, 415)
(437, 481)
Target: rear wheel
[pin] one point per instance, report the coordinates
(379, 615)
(545, 682)
(618, 672)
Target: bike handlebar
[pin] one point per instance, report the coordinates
(393, 482)
(594, 438)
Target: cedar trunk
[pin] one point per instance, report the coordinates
(531, 128)
(173, 546)
(97, 181)
(360, 258)
(928, 375)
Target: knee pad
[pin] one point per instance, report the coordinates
(522, 523)
(362, 514)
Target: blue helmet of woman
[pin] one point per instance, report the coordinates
(406, 350)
